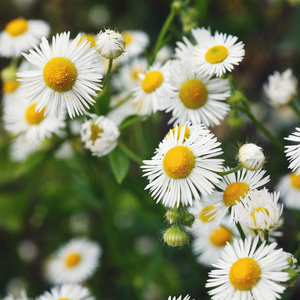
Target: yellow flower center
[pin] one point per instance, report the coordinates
(16, 27)
(95, 132)
(9, 86)
(127, 37)
(204, 216)
(216, 54)
(193, 94)
(179, 162)
(60, 74)
(90, 38)
(295, 180)
(186, 132)
(258, 210)
(72, 260)
(34, 117)
(220, 236)
(135, 74)
(63, 299)
(244, 274)
(234, 191)
(152, 81)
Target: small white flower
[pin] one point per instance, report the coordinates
(136, 41)
(110, 44)
(281, 88)
(100, 135)
(251, 157)
(293, 152)
(23, 296)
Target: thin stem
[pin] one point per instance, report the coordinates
(295, 109)
(266, 236)
(130, 153)
(107, 73)
(297, 253)
(237, 168)
(241, 231)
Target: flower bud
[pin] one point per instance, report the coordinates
(188, 220)
(251, 157)
(8, 74)
(175, 236)
(172, 215)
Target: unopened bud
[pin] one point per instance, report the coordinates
(172, 215)
(188, 220)
(8, 74)
(235, 98)
(175, 236)
(251, 157)
(293, 275)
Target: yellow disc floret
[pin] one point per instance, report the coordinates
(244, 274)
(220, 236)
(204, 216)
(127, 37)
(265, 210)
(60, 74)
(10, 86)
(234, 192)
(179, 162)
(34, 117)
(295, 180)
(16, 27)
(193, 94)
(72, 260)
(95, 131)
(152, 81)
(216, 54)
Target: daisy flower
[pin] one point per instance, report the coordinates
(67, 74)
(184, 167)
(195, 98)
(151, 89)
(251, 157)
(74, 262)
(289, 188)
(23, 296)
(100, 135)
(293, 152)
(67, 291)
(136, 42)
(281, 88)
(231, 189)
(217, 54)
(247, 271)
(259, 210)
(187, 297)
(21, 35)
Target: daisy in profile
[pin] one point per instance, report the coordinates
(289, 189)
(68, 73)
(20, 35)
(217, 54)
(259, 210)
(67, 291)
(281, 88)
(150, 91)
(74, 262)
(136, 41)
(195, 98)
(187, 297)
(100, 135)
(293, 152)
(231, 189)
(247, 271)
(183, 167)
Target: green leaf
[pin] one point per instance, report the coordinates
(119, 163)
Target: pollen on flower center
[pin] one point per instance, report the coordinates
(34, 117)
(216, 54)
(128, 38)
(72, 260)
(295, 180)
(244, 274)
(186, 132)
(179, 162)
(193, 94)
(16, 27)
(204, 216)
(95, 131)
(9, 86)
(60, 74)
(152, 81)
(220, 236)
(234, 191)
(258, 210)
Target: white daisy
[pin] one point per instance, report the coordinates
(247, 271)
(251, 157)
(183, 168)
(218, 54)
(100, 135)
(67, 291)
(231, 189)
(187, 297)
(23, 296)
(293, 152)
(68, 72)
(20, 35)
(136, 41)
(281, 88)
(259, 210)
(195, 98)
(74, 262)
(150, 91)
(289, 188)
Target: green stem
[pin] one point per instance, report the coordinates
(107, 73)
(266, 236)
(237, 168)
(295, 109)
(130, 153)
(241, 231)
(297, 254)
